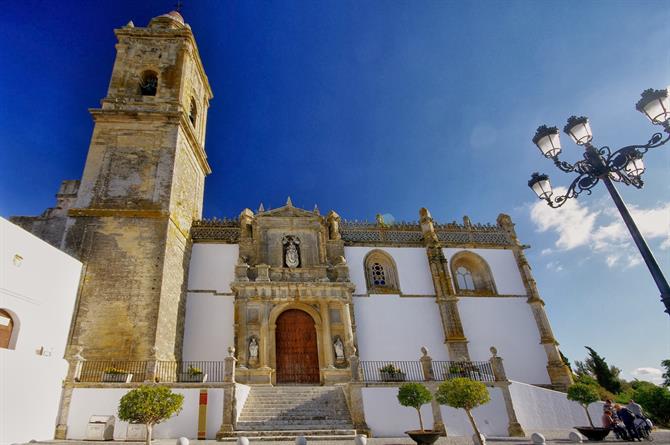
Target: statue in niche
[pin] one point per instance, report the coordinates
(253, 349)
(339, 349)
(291, 251)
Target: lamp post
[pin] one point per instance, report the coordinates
(602, 164)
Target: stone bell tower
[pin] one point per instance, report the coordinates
(141, 189)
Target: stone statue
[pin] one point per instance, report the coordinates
(339, 349)
(253, 349)
(291, 252)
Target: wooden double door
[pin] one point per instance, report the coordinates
(297, 352)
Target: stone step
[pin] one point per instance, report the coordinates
(293, 424)
(297, 432)
(276, 436)
(258, 412)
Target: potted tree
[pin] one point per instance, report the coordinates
(389, 373)
(116, 375)
(194, 374)
(415, 395)
(585, 395)
(464, 393)
(149, 405)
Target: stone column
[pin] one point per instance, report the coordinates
(265, 336)
(426, 365)
(454, 338)
(559, 374)
(73, 375)
(241, 330)
(354, 363)
(348, 330)
(514, 428)
(357, 410)
(438, 423)
(229, 416)
(327, 336)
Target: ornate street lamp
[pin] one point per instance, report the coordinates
(602, 164)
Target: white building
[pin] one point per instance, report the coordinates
(38, 289)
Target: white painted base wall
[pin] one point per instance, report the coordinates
(491, 418)
(540, 409)
(241, 395)
(387, 418)
(30, 389)
(102, 401)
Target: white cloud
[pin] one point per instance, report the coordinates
(653, 375)
(572, 222)
(546, 251)
(554, 266)
(601, 228)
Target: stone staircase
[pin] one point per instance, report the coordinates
(285, 412)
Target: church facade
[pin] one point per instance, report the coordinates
(295, 296)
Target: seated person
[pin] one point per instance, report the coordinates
(609, 422)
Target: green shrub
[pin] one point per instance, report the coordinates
(463, 393)
(149, 405)
(414, 395)
(655, 400)
(584, 395)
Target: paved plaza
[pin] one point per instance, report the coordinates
(556, 437)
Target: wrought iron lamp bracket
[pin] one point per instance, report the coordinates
(602, 162)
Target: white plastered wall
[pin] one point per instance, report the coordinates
(209, 320)
(389, 327)
(412, 263)
(105, 401)
(508, 324)
(387, 418)
(539, 409)
(503, 267)
(39, 289)
(212, 266)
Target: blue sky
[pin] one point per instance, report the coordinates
(372, 107)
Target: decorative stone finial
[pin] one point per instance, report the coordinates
(380, 220)
(316, 210)
(424, 351)
(467, 222)
(231, 351)
(289, 203)
(261, 208)
(494, 351)
(130, 24)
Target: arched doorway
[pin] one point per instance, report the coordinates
(6, 327)
(297, 353)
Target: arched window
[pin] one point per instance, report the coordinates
(193, 113)
(472, 275)
(381, 273)
(6, 329)
(148, 83)
(464, 278)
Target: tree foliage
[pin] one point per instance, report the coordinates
(565, 360)
(585, 395)
(462, 393)
(654, 399)
(414, 395)
(466, 394)
(607, 376)
(666, 374)
(149, 405)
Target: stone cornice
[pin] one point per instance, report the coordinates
(292, 291)
(121, 213)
